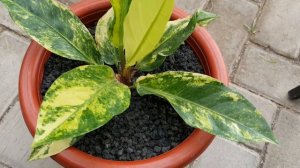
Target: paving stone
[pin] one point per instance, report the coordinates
(279, 27)
(224, 154)
(6, 20)
(12, 49)
(269, 74)
(287, 153)
(15, 141)
(228, 29)
(191, 6)
(266, 107)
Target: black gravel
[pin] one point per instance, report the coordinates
(148, 128)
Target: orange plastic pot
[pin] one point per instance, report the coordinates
(31, 75)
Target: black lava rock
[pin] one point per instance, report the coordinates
(148, 128)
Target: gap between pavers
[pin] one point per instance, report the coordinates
(7, 21)
(269, 74)
(12, 49)
(279, 27)
(286, 154)
(265, 106)
(228, 30)
(15, 141)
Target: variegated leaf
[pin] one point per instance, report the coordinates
(55, 27)
(103, 35)
(52, 148)
(175, 34)
(121, 8)
(144, 26)
(78, 102)
(203, 102)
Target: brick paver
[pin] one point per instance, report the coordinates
(263, 75)
(11, 57)
(224, 154)
(269, 74)
(15, 141)
(279, 26)
(287, 153)
(229, 29)
(191, 6)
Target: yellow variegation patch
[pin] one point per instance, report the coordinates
(103, 39)
(52, 148)
(176, 33)
(55, 27)
(205, 103)
(144, 26)
(78, 102)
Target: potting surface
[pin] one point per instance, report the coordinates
(260, 44)
(149, 127)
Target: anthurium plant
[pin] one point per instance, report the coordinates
(135, 35)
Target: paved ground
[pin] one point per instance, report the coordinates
(260, 42)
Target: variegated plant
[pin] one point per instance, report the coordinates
(133, 35)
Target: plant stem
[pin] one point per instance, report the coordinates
(127, 75)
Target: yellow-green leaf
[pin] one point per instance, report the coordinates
(78, 102)
(120, 11)
(144, 26)
(52, 148)
(175, 34)
(205, 103)
(55, 27)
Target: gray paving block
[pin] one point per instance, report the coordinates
(191, 6)
(15, 141)
(228, 29)
(266, 107)
(287, 153)
(269, 74)
(225, 154)
(12, 49)
(6, 20)
(279, 27)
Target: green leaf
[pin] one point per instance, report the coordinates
(144, 26)
(55, 27)
(121, 8)
(52, 148)
(105, 46)
(109, 32)
(203, 102)
(78, 102)
(175, 34)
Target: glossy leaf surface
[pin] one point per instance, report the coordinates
(121, 8)
(144, 26)
(103, 35)
(78, 102)
(55, 27)
(52, 148)
(175, 34)
(203, 102)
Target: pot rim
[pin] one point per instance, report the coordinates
(31, 75)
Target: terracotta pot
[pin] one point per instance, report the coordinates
(89, 12)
